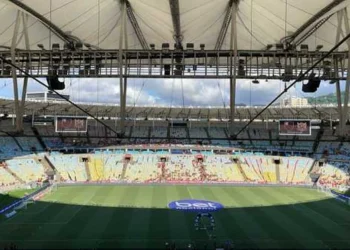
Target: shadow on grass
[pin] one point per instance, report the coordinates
(323, 224)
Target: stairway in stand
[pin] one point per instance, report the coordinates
(14, 174)
(18, 144)
(87, 169)
(241, 170)
(202, 172)
(278, 175)
(188, 134)
(208, 135)
(49, 169)
(125, 166)
(37, 135)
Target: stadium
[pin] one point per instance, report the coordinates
(174, 124)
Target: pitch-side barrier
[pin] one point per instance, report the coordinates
(33, 196)
(336, 195)
(193, 183)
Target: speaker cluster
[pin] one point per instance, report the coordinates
(54, 83)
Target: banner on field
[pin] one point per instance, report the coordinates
(294, 127)
(67, 124)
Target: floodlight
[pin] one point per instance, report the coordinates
(304, 48)
(152, 46)
(55, 47)
(87, 45)
(165, 47)
(279, 47)
(40, 46)
(319, 47)
(202, 46)
(78, 46)
(190, 46)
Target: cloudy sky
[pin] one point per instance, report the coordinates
(166, 92)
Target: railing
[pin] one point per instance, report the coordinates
(175, 64)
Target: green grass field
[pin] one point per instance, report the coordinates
(138, 217)
(6, 199)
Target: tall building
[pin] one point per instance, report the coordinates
(295, 102)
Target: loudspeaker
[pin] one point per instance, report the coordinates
(54, 83)
(311, 86)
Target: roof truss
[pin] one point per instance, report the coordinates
(224, 27)
(175, 15)
(55, 29)
(293, 38)
(136, 27)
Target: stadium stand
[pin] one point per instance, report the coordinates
(27, 169)
(6, 179)
(9, 147)
(254, 159)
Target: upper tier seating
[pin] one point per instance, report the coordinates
(8, 147)
(29, 143)
(198, 133)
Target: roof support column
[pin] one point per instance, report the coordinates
(14, 71)
(122, 81)
(25, 80)
(347, 86)
(233, 75)
(342, 17)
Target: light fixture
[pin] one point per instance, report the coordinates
(269, 46)
(202, 46)
(190, 46)
(78, 46)
(319, 47)
(152, 46)
(40, 46)
(165, 47)
(304, 48)
(87, 45)
(55, 47)
(279, 47)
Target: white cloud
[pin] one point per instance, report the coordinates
(194, 92)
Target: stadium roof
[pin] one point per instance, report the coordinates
(97, 22)
(214, 113)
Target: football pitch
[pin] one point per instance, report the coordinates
(137, 216)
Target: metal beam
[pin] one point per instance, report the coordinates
(175, 15)
(55, 29)
(135, 25)
(224, 26)
(313, 19)
(14, 73)
(233, 78)
(122, 81)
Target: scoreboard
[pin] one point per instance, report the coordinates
(295, 127)
(70, 124)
